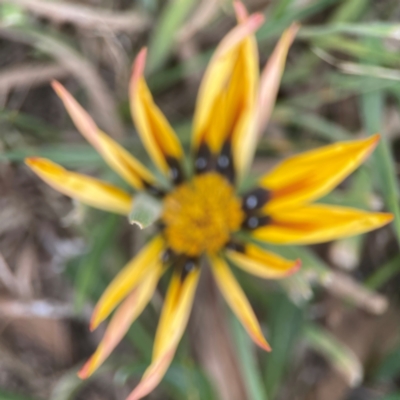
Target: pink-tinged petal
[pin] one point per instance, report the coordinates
(157, 135)
(221, 91)
(123, 318)
(237, 300)
(263, 263)
(127, 279)
(308, 176)
(153, 375)
(318, 223)
(121, 161)
(83, 188)
(173, 321)
(268, 90)
(240, 11)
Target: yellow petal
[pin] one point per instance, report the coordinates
(263, 263)
(88, 190)
(176, 310)
(127, 279)
(174, 318)
(268, 90)
(227, 91)
(115, 155)
(310, 175)
(271, 76)
(123, 318)
(237, 300)
(156, 133)
(318, 223)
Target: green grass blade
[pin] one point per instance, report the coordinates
(165, 31)
(341, 357)
(384, 274)
(372, 117)
(87, 271)
(12, 396)
(389, 369)
(248, 362)
(285, 321)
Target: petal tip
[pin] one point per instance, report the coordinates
(264, 345)
(30, 161)
(296, 267)
(94, 321)
(256, 20)
(375, 138)
(139, 64)
(240, 10)
(388, 217)
(83, 373)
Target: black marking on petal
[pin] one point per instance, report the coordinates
(225, 162)
(175, 170)
(255, 199)
(204, 160)
(188, 265)
(256, 221)
(168, 256)
(236, 246)
(154, 190)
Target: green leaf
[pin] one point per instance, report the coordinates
(393, 396)
(145, 210)
(13, 396)
(86, 278)
(384, 274)
(377, 29)
(285, 321)
(389, 369)
(372, 116)
(167, 26)
(248, 362)
(340, 356)
(68, 386)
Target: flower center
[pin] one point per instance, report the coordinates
(200, 215)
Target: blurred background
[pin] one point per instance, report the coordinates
(334, 326)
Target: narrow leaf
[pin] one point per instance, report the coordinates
(341, 357)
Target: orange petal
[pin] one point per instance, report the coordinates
(88, 190)
(237, 300)
(123, 318)
(174, 318)
(318, 223)
(115, 155)
(308, 176)
(127, 279)
(228, 89)
(268, 90)
(156, 133)
(263, 263)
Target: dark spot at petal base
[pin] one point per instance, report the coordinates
(255, 199)
(175, 170)
(225, 162)
(168, 256)
(255, 221)
(188, 266)
(204, 160)
(236, 246)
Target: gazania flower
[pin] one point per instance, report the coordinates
(201, 213)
